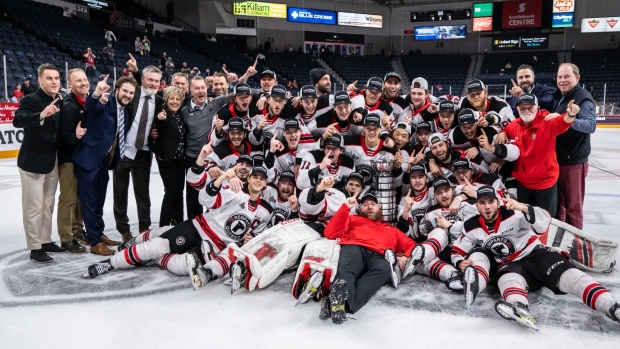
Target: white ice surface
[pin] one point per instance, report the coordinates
(51, 306)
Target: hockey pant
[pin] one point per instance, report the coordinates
(319, 256)
(436, 242)
(271, 252)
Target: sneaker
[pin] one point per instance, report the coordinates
(99, 269)
(207, 250)
(81, 237)
(311, 288)
(195, 270)
(325, 309)
(51, 247)
(396, 274)
(126, 244)
(40, 256)
(73, 246)
(470, 285)
(238, 273)
(614, 312)
(518, 312)
(455, 281)
(338, 297)
(416, 258)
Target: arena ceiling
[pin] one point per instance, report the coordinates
(394, 3)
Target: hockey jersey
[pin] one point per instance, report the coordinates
(446, 169)
(310, 174)
(358, 100)
(429, 221)
(398, 104)
(418, 115)
(323, 208)
(226, 113)
(275, 124)
(281, 209)
(355, 147)
(323, 106)
(420, 203)
(495, 104)
(225, 156)
(347, 127)
(483, 179)
(458, 140)
(511, 237)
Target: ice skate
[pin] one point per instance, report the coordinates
(470, 285)
(455, 282)
(98, 269)
(325, 309)
(311, 288)
(614, 312)
(196, 272)
(518, 312)
(207, 250)
(396, 274)
(238, 273)
(417, 257)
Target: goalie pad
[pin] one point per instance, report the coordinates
(585, 251)
(272, 251)
(322, 256)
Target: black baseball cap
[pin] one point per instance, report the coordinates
(335, 140)
(372, 119)
(475, 85)
(308, 91)
(423, 126)
(370, 196)
(245, 158)
(236, 124)
(461, 163)
(466, 117)
(441, 182)
(258, 160)
(392, 74)
(405, 126)
(277, 91)
(446, 105)
(341, 97)
(259, 170)
(287, 175)
(291, 124)
(486, 191)
(417, 168)
(242, 89)
(268, 72)
(374, 83)
(528, 98)
(357, 176)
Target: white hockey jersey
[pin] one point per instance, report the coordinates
(310, 174)
(483, 179)
(226, 113)
(322, 210)
(495, 104)
(420, 204)
(275, 124)
(429, 221)
(281, 209)
(355, 148)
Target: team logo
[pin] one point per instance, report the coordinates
(501, 247)
(522, 7)
(180, 241)
(279, 215)
(365, 171)
(237, 225)
(564, 5)
(452, 218)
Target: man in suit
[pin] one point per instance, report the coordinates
(137, 157)
(38, 115)
(100, 148)
(526, 84)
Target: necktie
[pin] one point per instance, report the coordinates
(142, 126)
(121, 131)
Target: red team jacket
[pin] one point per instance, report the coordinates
(361, 231)
(537, 166)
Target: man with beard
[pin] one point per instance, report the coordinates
(311, 105)
(507, 236)
(267, 81)
(240, 104)
(440, 157)
(534, 133)
(329, 161)
(341, 119)
(321, 81)
(412, 207)
(268, 122)
(137, 155)
(287, 155)
(362, 268)
(369, 100)
(100, 149)
(479, 101)
(445, 121)
(391, 90)
(527, 84)
(420, 103)
(282, 197)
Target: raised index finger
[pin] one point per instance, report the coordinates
(106, 78)
(131, 56)
(514, 84)
(255, 62)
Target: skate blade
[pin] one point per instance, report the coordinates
(190, 263)
(507, 312)
(86, 275)
(236, 279)
(468, 279)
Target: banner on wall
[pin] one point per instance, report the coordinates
(11, 138)
(532, 42)
(562, 20)
(308, 15)
(360, 20)
(563, 6)
(522, 14)
(259, 9)
(482, 24)
(600, 25)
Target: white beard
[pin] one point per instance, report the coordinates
(527, 118)
(149, 91)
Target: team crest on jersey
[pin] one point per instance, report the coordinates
(242, 205)
(452, 218)
(501, 246)
(180, 241)
(237, 225)
(279, 215)
(365, 171)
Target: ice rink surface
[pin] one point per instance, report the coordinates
(52, 306)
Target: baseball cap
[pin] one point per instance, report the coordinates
(358, 176)
(405, 126)
(446, 105)
(419, 83)
(374, 83)
(277, 91)
(487, 191)
(287, 175)
(245, 158)
(291, 124)
(436, 138)
(441, 182)
(242, 89)
(392, 74)
(335, 140)
(461, 163)
(466, 117)
(258, 160)
(308, 91)
(370, 196)
(475, 85)
(417, 168)
(268, 72)
(372, 119)
(258, 170)
(423, 126)
(528, 98)
(341, 97)
(236, 124)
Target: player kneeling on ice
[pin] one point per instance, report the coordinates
(508, 235)
(362, 268)
(231, 217)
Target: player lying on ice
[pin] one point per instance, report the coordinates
(502, 242)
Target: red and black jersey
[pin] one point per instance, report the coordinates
(226, 113)
(323, 106)
(417, 115)
(355, 147)
(347, 127)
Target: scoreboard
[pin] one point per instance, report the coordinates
(440, 15)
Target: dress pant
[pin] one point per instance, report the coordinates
(194, 208)
(38, 194)
(69, 218)
(92, 187)
(544, 198)
(140, 170)
(571, 193)
(173, 176)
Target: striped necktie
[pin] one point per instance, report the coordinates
(142, 125)
(121, 131)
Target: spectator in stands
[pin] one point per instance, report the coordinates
(109, 36)
(163, 59)
(573, 146)
(169, 149)
(526, 83)
(67, 13)
(289, 84)
(438, 88)
(185, 69)
(508, 67)
(18, 94)
(127, 72)
(89, 61)
(108, 52)
(267, 45)
(170, 66)
(38, 115)
(535, 60)
(290, 48)
(592, 92)
(148, 25)
(146, 46)
(295, 84)
(137, 46)
(162, 84)
(29, 87)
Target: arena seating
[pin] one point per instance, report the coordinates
(135, 10)
(450, 70)
(352, 68)
(292, 66)
(598, 67)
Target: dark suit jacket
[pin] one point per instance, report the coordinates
(133, 106)
(100, 135)
(37, 153)
(168, 139)
(544, 95)
(71, 114)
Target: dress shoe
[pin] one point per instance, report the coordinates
(40, 257)
(108, 242)
(126, 236)
(101, 250)
(73, 246)
(51, 247)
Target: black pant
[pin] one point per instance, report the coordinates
(364, 271)
(194, 208)
(544, 198)
(173, 176)
(140, 169)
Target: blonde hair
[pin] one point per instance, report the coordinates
(573, 67)
(72, 71)
(173, 91)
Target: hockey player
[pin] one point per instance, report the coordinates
(423, 131)
(391, 90)
(421, 104)
(440, 157)
(479, 101)
(340, 119)
(445, 121)
(401, 135)
(362, 268)
(296, 141)
(283, 198)
(311, 106)
(330, 161)
(241, 103)
(370, 100)
(412, 207)
(468, 182)
(321, 80)
(508, 235)
(270, 120)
